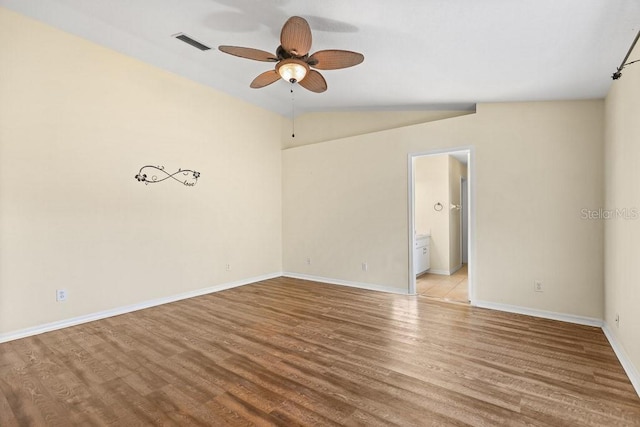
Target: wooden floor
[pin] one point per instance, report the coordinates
(289, 352)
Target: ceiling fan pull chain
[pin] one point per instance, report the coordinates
(293, 112)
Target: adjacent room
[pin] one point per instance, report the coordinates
(441, 249)
(330, 213)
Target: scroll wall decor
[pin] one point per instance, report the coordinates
(149, 175)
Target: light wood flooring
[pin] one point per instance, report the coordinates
(453, 288)
(291, 352)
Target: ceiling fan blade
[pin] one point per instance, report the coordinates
(295, 37)
(334, 59)
(314, 82)
(249, 53)
(265, 79)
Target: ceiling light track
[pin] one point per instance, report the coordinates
(624, 63)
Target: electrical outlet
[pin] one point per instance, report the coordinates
(227, 267)
(365, 267)
(617, 320)
(308, 261)
(61, 295)
(537, 286)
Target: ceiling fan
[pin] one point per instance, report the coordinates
(293, 62)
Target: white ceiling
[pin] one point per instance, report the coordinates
(419, 54)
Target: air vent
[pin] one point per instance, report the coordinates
(185, 38)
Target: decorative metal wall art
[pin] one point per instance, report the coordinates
(148, 175)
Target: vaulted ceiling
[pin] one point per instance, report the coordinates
(419, 54)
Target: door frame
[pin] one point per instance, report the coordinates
(471, 220)
(464, 213)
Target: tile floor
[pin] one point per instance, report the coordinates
(453, 288)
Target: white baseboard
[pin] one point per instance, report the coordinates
(630, 369)
(359, 285)
(444, 272)
(625, 361)
(10, 336)
(440, 272)
(570, 318)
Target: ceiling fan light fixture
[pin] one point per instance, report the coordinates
(292, 70)
(293, 62)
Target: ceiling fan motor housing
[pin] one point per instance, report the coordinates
(292, 69)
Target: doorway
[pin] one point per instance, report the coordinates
(441, 212)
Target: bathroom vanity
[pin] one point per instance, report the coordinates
(421, 254)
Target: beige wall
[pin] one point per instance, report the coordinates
(622, 236)
(326, 126)
(537, 165)
(431, 187)
(77, 121)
